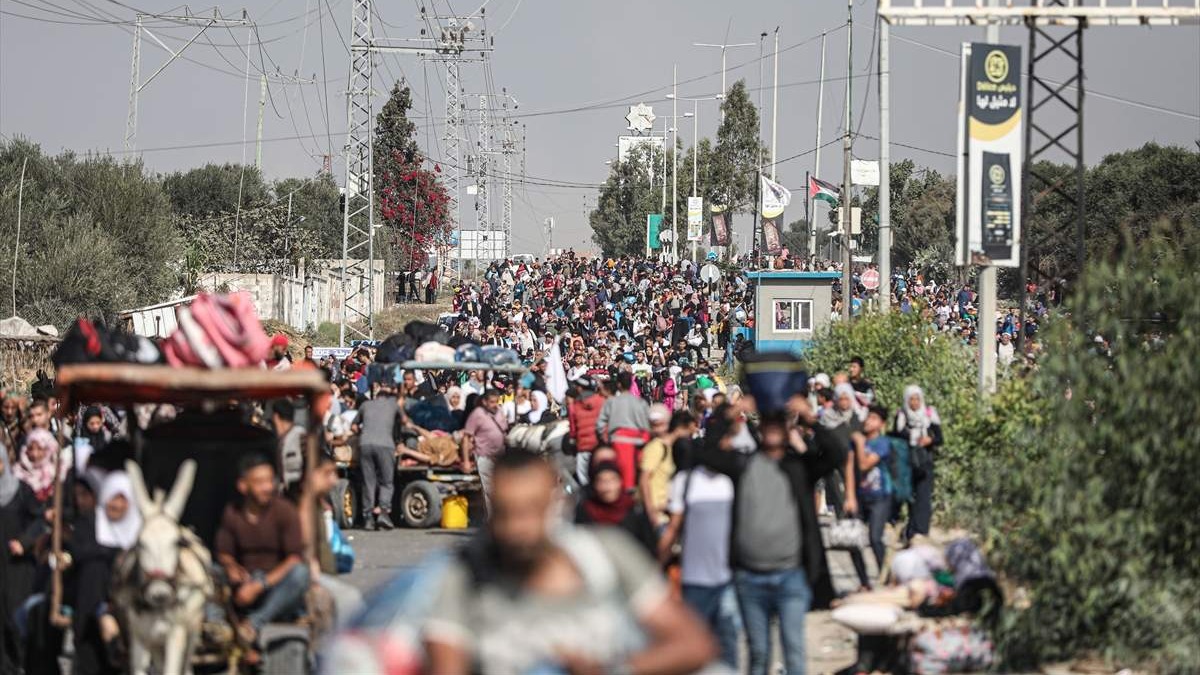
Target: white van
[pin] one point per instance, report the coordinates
(523, 259)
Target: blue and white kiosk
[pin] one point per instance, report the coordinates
(790, 308)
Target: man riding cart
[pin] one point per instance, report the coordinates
(226, 574)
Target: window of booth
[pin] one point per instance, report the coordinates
(793, 316)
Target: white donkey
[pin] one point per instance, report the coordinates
(163, 584)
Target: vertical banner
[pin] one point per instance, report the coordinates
(990, 156)
(720, 226)
(775, 199)
(695, 218)
(770, 230)
(653, 228)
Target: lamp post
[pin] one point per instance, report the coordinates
(723, 47)
(695, 115)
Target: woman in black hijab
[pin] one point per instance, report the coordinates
(21, 523)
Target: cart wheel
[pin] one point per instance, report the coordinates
(421, 504)
(344, 498)
(286, 657)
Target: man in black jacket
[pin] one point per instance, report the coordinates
(776, 549)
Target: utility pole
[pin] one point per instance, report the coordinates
(482, 164)
(756, 213)
(17, 244)
(695, 164)
(663, 208)
(483, 215)
(812, 228)
(847, 146)
(724, 46)
(134, 88)
(987, 280)
(675, 163)
(885, 170)
(262, 104)
(507, 150)
(775, 108)
(358, 215)
(139, 30)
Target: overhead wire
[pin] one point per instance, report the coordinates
(300, 90)
(325, 71)
(625, 100)
(1090, 92)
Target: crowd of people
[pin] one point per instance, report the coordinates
(102, 518)
(257, 542)
(722, 489)
(709, 490)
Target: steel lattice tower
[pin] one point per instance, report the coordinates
(483, 214)
(131, 121)
(507, 190)
(358, 214)
(451, 136)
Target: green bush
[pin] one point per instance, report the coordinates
(1087, 488)
(328, 334)
(899, 350)
(1081, 477)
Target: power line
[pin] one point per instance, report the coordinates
(325, 72)
(1090, 92)
(631, 98)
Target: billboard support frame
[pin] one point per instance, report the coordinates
(1044, 93)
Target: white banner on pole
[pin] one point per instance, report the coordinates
(695, 218)
(864, 172)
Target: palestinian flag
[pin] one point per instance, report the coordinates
(819, 189)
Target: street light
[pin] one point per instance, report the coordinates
(695, 115)
(723, 47)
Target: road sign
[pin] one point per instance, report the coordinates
(710, 273)
(870, 279)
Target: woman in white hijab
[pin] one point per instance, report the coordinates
(118, 520)
(922, 426)
(845, 418)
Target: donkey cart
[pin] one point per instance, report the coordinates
(174, 609)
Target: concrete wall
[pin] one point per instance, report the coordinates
(306, 298)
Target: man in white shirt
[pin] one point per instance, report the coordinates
(701, 510)
(1005, 351)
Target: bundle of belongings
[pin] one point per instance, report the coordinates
(935, 616)
(88, 342)
(214, 331)
(431, 343)
(435, 439)
(217, 331)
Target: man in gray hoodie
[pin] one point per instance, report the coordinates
(624, 423)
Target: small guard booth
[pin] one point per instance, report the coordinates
(790, 308)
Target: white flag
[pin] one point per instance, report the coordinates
(775, 197)
(556, 376)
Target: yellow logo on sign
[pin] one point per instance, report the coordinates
(996, 66)
(996, 174)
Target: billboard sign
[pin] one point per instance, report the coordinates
(626, 144)
(990, 140)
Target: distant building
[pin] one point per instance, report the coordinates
(478, 245)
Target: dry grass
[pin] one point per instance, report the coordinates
(394, 319)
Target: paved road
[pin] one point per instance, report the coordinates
(379, 555)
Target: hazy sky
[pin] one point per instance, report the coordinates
(66, 85)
